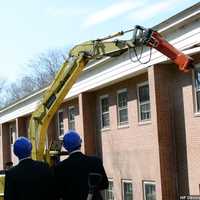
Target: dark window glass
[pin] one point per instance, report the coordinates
(128, 191)
(144, 103)
(109, 195)
(105, 121)
(150, 191)
(197, 86)
(122, 108)
(71, 118)
(60, 123)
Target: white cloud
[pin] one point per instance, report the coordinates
(148, 12)
(112, 11)
(65, 12)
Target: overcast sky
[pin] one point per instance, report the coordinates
(31, 27)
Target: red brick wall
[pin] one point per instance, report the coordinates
(165, 124)
(6, 143)
(130, 152)
(87, 103)
(192, 129)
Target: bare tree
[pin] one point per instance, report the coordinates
(2, 83)
(44, 67)
(41, 72)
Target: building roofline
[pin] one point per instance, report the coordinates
(178, 18)
(21, 100)
(173, 21)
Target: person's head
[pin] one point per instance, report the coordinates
(72, 141)
(22, 148)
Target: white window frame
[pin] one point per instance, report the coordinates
(138, 98)
(195, 91)
(110, 180)
(12, 134)
(58, 122)
(125, 123)
(100, 98)
(126, 181)
(148, 183)
(71, 121)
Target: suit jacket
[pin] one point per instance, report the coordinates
(29, 180)
(72, 176)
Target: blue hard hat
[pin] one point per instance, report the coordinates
(72, 141)
(22, 147)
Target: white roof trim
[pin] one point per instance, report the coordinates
(179, 21)
(106, 71)
(24, 99)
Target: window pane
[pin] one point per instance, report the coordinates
(197, 79)
(71, 125)
(144, 93)
(71, 118)
(109, 192)
(60, 123)
(122, 107)
(150, 191)
(128, 191)
(11, 136)
(105, 120)
(198, 101)
(122, 99)
(104, 105)
(145, 111)
(144, 103)
(71, 113)
(123, 115)
(197, 87)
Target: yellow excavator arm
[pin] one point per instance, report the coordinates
(64, 80)
(79, 56)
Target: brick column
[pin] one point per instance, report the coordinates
(6, 144)
(1, 148)
(152, 92)
(163, 77)
(87, 109)
(22, 126)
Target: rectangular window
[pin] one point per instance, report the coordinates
(127, 190)
(197, 88)
(104, 105)
(60, 122)
(122, 107)
(109, 195)
(12, 134)
(144, 102)
(71, 118)
(149, 190)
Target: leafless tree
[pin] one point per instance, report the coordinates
(2, 83)
(40, 73)
(44, 67)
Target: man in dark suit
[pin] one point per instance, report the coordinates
(72, 174)
(29, 180)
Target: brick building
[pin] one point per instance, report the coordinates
(142, 119)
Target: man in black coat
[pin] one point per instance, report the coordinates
(29, 180)
(72, 174)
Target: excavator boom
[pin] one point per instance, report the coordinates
(69, 72)
(79, 56)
